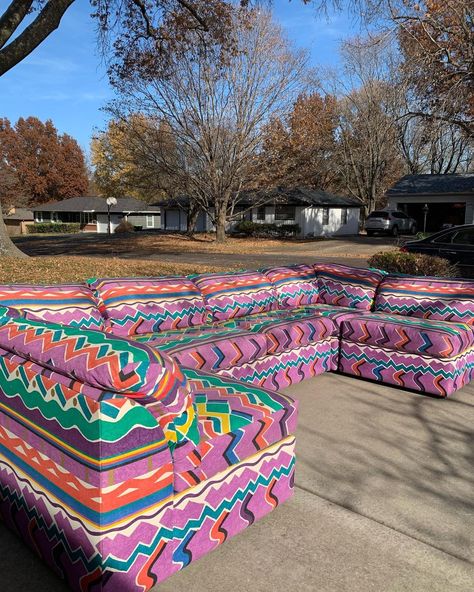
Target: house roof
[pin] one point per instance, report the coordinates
(433, 184)
(283, 196)
(96, 204)
(20, 214)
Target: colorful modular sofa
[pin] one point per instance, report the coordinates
(140, 423)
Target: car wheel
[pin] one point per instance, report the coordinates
(395, 230)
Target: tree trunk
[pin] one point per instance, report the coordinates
(221, 219)
(7, 248)
(193, 214)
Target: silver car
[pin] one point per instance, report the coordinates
(391, 222)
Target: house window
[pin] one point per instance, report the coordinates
(283, 212)
(261, 213)
(150, 221)
(325, 216)
(344, 213)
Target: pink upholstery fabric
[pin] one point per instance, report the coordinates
(295, 285)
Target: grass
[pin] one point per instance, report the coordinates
(56, 270)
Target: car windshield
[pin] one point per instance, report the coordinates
(380, 214)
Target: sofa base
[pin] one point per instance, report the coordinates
(278, 371)
(425, 374)
(146, 550)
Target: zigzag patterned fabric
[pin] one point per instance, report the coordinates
(233, 295)
(430, 298)
(295, 285)
(336, 313)
(341, 285)
(211, 349)
(87, 479)
(71, 305)
(279, 371)
(410, 335)
(108, 363)
(236, 422)
(294, 332)
(425, 374)
(149, 305)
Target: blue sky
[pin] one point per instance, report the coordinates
(64, 79)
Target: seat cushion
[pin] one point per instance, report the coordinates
(294, 331)
(232, 295)
(341, 285)
(236, 420)
(429, 298)
(438, 339)
(336, 313)
(65, 304)
(209, 348)
(149, 305)
(295, 285)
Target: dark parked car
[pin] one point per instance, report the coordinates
(455, 244)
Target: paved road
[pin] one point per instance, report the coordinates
(351, 250)
(383, 503)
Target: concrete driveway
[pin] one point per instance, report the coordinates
(384, 502)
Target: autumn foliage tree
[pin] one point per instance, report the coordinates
(298, 149)
(41, 164)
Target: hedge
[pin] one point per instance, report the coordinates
(257, 229)
(54, 227)
(413, 264)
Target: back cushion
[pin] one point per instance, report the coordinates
(72, 305)
(232, 295)
(295, 285)
(342, 285)
(134, 306)
(426, 297)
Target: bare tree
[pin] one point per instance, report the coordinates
(216, 108)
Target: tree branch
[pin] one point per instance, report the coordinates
(12, 17)
(44, 24)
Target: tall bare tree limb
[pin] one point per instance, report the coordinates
(43, 25)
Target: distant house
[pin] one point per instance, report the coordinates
(91, 213)
(17, 220)
(317, 213)
(447, 199)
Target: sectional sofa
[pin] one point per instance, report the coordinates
(140, 423)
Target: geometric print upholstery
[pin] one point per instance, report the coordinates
(293, 332)
(232, 295)
(136, 306)
(236, 420)
(71, 305)
(211, 348)
(429, 298)
(109, 363)
(336, 313)
(295, 285)
(437, 339)
(342, 285)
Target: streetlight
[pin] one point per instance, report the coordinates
(110, 201)
(425, 215)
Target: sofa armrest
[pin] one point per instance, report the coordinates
(111, 364)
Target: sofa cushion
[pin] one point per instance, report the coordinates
(209, 348)
(426, 297)
(232, 295)
(295, 285)
(236, 420)
(71, 305)
(425, 337)
(341, 285)
(294, 331)
(146, 305)
(336, 313)
(111, 364)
